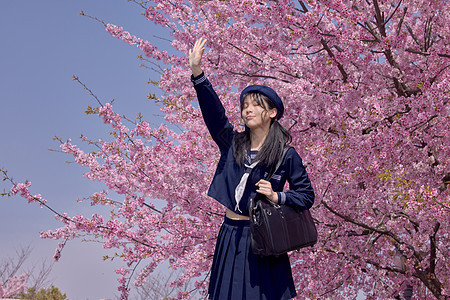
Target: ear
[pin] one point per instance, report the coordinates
(273, 113)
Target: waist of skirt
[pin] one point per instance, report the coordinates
(237, 223)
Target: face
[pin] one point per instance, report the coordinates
(255, 115)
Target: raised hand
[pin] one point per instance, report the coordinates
(195, 56)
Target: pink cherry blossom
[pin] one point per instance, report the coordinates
(13, 286)
(365, 86)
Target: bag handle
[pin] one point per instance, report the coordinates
(255, 199)
(279, 162)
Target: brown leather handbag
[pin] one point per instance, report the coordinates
(277, 229)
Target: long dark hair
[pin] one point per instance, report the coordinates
(274, 143)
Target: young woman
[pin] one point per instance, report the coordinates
(245, 159)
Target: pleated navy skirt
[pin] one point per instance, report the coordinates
(237, 273)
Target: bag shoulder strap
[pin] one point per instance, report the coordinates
(279, 162)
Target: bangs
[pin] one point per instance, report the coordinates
(261, 99)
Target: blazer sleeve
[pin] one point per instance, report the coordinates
(213, 112)
(300, 193)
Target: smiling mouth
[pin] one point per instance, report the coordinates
(249, 117)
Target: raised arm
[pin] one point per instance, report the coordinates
(212, 109)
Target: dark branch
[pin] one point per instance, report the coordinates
(257, 76)
(393, 13)
(433, 248)
(331, 54)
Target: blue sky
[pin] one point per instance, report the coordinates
(43, 44)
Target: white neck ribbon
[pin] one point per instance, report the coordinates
(239, 191)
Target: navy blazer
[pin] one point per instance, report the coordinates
(229, 172)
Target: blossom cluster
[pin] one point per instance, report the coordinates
(365, 86)
(13, 286)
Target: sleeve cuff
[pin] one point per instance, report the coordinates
(198, 79)
(281, 198)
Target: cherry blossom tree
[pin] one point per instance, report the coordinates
(13, 285)
(366, 89)
(15, 278)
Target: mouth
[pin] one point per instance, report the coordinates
(249, 117)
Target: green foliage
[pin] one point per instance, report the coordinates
(52, 293)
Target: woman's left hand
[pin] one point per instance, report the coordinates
(265, 188)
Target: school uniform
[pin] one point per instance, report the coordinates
(236, 272)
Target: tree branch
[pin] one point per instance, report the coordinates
(330, 53)
(400, 23)
(393, 13)
(378, 229)
(390, 119)
(379, 17)
(433, 248)
(245, 52)
(258, 76)
(413, 35)
(87, 89)
(91, 17)
(305, 10)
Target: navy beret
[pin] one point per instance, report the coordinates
(270, 93)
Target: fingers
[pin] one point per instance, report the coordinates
(198, 49)
(195, 56)
(200, 43)
(199, 46)
(264, 187)
(263, 182)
